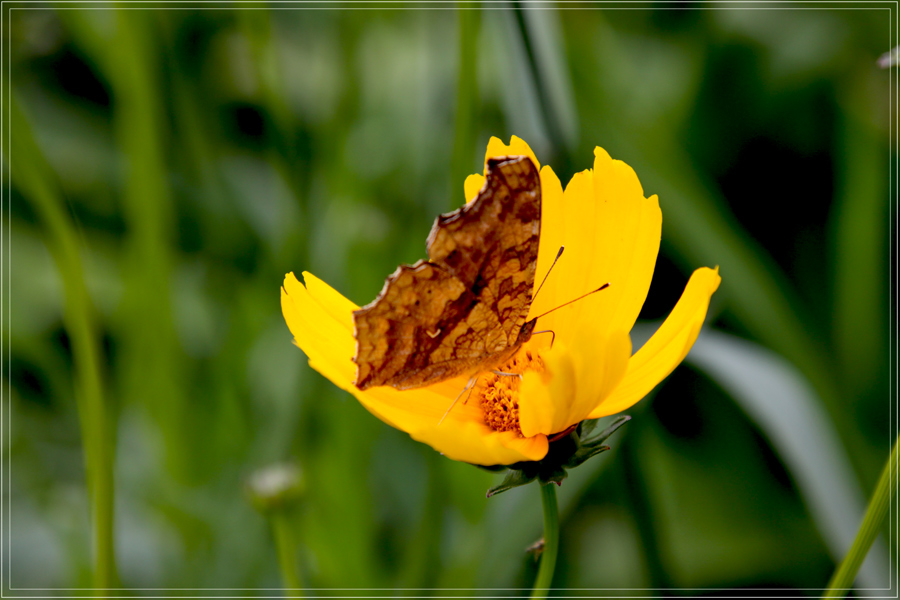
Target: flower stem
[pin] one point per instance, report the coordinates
(551, 541)
(286, 548)
(842, 580)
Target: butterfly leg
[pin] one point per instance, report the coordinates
(550, 331)
(504, 374)
(468, 388)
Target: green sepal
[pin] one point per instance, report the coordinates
(585, 453)
(514, 478)
(565, 453)
(604, 435)
(586, 427)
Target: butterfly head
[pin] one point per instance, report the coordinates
(525, 332)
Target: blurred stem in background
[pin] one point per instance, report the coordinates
(422, 553)
(276, 491)
(256, 23)
(33, 176)
(858, 239)
(469, 18)
(842, 580)
(637, 498)
(540, 89)
(550, 81)
(551, 541)
(149, 212)
(286, 547)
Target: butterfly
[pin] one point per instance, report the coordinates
(463, 311)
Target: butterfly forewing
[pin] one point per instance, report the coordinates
(462, 311)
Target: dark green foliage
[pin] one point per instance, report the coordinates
(196, 156)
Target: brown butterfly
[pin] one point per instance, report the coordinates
(464, 310)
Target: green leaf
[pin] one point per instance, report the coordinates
(784, 405)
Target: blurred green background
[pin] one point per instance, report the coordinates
(167, 165)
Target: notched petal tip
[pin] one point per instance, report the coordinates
(516, 147)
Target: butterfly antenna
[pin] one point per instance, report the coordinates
(602, 287)
(468, 388)
(558, 254)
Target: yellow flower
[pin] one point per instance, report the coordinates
(611, 233)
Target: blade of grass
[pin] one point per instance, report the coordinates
(858, 234)
(754, 288)
(34, 178)
(784, 405)
(539, 31)
(512, 80)
(699, 227)
(842, 580)
(422, 554)
(151, 344)
(469, 19)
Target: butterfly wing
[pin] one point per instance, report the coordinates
(491, 243)
(408, 336)
(461, 312)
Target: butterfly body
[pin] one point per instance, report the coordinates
(464, 310)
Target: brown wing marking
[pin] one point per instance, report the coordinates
(413, 315)
(491, 243)
(463, 311)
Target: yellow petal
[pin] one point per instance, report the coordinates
(516, 147)
(478, 444)
(543, 395)
(576, 379)
(575, 216)
(324, 338)
(601, 366)
(668, 346)
(611, 234)
(473, 185)
(321, 321)
(552, 218)
(628, 241)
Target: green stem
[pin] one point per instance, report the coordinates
(35, 179)
(286, 547)
(842, 580)
(466, 99)
(551, 541)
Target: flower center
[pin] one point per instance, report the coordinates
(499, 394)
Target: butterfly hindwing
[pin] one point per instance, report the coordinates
(412, 316)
